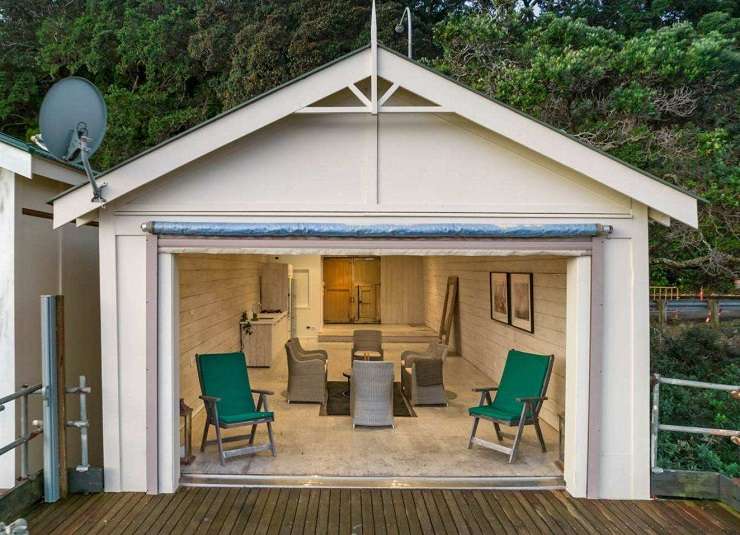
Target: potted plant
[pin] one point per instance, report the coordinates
(245, 328)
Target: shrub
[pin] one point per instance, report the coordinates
(699, 353)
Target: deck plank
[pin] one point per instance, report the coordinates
(389, 514)
(322, 520)
(355, 505)
(238, 513)
(378, 516)
(289, 519)
(385, 511)
(366, 504)
(217, 522)
(411, 512)
(402, 521)
(312, 512)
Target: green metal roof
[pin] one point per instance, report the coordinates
(35, 150)
(390, 50)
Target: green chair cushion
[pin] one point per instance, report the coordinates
(225, 376)
(488, 411)
(244, 417)
(524, 376)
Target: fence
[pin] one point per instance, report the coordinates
(686, 483)
(26, 434)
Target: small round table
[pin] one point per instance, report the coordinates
(348, 374)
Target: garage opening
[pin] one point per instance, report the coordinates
(229, 301)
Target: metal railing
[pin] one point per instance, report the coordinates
(82, 424)
(26, 434)
(656, 426)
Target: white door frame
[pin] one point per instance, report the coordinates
(582, 327)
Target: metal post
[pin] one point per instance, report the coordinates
(654, 423)
(24, 434)
(83, 424)
(50, 381)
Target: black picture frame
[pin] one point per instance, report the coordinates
(521, 301)
(494, 287)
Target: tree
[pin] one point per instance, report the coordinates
(663, 100)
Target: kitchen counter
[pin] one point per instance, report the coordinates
(270, 331)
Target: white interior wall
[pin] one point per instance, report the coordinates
(486, 342)
(401, 290)
(214, 292)
(309, 319)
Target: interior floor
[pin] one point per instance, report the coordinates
(433, 444)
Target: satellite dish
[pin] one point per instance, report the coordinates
(73, 120)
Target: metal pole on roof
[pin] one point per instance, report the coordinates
(399, 28)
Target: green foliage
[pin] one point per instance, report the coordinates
(698, 353)
(653, 83)
(663, 99)
(166, 65)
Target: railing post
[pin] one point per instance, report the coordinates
(52, 371)
(654, 423)
(24, 434)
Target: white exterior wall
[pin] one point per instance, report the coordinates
(7, 321)
(38, 260)
(457, 173)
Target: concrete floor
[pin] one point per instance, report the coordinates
(430, 445)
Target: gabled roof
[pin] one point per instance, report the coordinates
(295, 96)
(27, 159)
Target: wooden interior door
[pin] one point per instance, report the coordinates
(366, 280)
(338, 290)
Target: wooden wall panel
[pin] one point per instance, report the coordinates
(214, 291)
(402, 290)
(485, 342)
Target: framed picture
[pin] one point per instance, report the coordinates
(499, 286)
(521, 288)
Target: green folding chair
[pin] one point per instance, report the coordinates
(229, 402)
(518, 400)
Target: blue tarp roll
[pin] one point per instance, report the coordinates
(340, 230)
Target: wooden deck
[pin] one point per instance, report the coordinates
(350, 511)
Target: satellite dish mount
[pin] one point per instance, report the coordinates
(73, 121)
(79, 148)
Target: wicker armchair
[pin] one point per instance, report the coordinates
(422, 375)
(308, 353)
(306, 374)
(371, 394)
(368, 342)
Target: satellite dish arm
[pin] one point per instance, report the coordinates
(80, 143)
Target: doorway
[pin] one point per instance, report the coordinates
(351, 289)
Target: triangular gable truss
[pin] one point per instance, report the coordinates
(301, 95)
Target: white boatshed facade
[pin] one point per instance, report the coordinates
(36, 260)
(377, 141)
